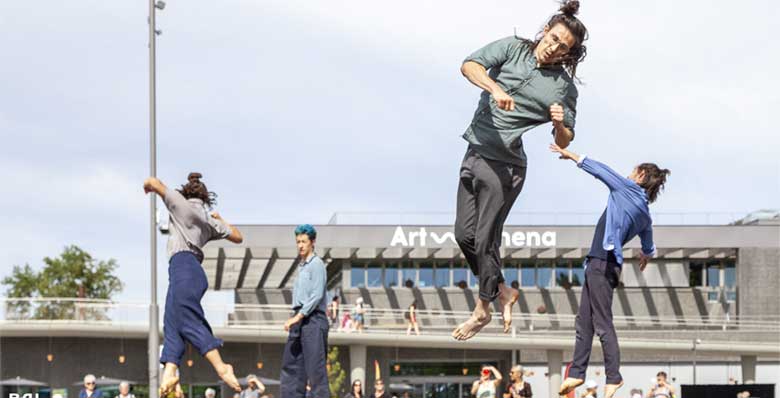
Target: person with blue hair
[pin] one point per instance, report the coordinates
(304, 356)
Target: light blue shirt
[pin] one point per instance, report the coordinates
(309, 288)
(628, 213)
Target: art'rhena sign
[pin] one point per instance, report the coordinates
(421, 237)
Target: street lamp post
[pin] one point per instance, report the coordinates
(696, 342)
(154, 328)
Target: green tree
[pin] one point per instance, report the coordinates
(336, 374)
(75, 273)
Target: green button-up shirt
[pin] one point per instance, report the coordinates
(497, 134)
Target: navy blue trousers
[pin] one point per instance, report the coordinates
(595, 316)
(304, 358)
(184, 320)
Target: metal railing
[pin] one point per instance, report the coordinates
(376, 320)
(527, 218)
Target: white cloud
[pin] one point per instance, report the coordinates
(360, 102)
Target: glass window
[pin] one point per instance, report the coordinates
(729, 275)
(391, 275)
(695, 274)
(544, 272)
(527, 274)
(510, 274)
(473, 280)
(731, 295)
(358, 275)
(442, 274)
(425, 276)
(562, 274)
(713, 274)
(577, 274)
(409, 274)
(460, 275)
(374, 275)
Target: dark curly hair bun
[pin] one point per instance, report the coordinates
(570, 8)
(194, 177)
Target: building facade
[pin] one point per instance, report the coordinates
(707, 309)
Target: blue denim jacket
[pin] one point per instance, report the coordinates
(628, 214)
(309, 288)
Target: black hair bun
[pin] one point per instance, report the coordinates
(570, 8)
(194, 177)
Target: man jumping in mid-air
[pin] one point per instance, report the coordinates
(529, 83)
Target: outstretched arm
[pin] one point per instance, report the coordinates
(602, 172)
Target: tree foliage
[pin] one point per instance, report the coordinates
(73, 274)
(336, 374)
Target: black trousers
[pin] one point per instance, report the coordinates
(595, 316)
(304, 358)
(487, 190)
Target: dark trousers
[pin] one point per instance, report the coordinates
(184, 320)
(486, 192)
(595, 316)
(304, 358)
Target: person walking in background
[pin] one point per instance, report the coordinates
(90, 389)
(359, 315)
(184, 320)
(303, 360)
(485, 386)
(333, 311)
(627, 215)
(411, 319)
(517, 387)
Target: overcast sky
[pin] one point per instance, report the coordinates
(295, 109)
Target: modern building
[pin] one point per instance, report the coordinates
(706, 310)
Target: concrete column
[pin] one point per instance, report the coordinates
(554, 364)
(357, 360)
(748, 369)
(346, 279)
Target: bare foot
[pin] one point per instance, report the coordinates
(472, 326)
(610, 389)
(169, 380)
(179, 393)
(507, 299)
(569, 385)
(225, 373)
